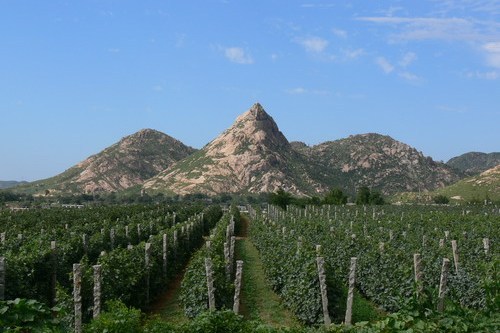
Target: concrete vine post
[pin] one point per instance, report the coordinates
(486, 245)
(454, 247)
(164, 254)
(85, 243)
(97, 290)
(227, 259)
(53, 277)
(175, 242)
(147, 255)
(2, 238)
(231, 254)
(237, 286)
(210, 284)
(442, 284)
(77, 296)
(112, 238)
(320, 261)
(2, 278)
(417, 267)
(350, 292)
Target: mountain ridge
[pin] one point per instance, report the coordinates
(473, 163)
(251, 156)
(124, 164)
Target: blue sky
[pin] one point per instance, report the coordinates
(76, 76)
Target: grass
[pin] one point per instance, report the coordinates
(168, 305)
(258, 301)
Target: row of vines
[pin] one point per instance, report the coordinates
(384, 240)
(39, 248)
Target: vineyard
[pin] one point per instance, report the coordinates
(335, 268)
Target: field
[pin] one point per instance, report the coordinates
(174, 268)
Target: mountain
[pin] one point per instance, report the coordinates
(126, 163)
(486, 185)
(251, 156)
(376, 161)
(474, 163)
(10, 183)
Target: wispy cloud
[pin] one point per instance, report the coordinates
(302, 91)
(492, 52)
(384, 64)
(422, 28)
(481, 35)
(409, 76)
(238, 55)
(313, 44)
(353, 54)
(339, 33)
(317, 5)
(491, 75)
(400, 67)
(296, 91)
(407, 59)
(480, 6)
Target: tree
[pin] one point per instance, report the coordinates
(280, 198)
(376, 198)
(367, 197)
(363, 196)
(335, 197)
(441, 199)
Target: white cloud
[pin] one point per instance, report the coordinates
(492, 52)
(384, 64)
(302, 91)
(491, 75)
(339, 33)
(317, 5)
(238, 55)
(158, 88)
(274, 57)
(353, 54)
(409, 76)
(113, 50)
(296, 91)
(425, 28)
(407, 59)
(313, 44)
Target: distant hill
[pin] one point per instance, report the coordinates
(478, 188)
(377, 161)
(474, 163)
(10, 183)
(127, 163)
(251, 156)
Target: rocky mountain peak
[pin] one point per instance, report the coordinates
(253, 129)
(250, 156)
